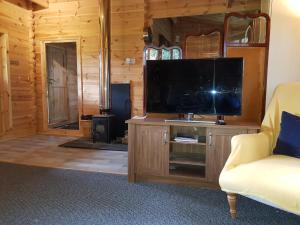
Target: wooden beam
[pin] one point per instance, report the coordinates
(42, 3)
(20, 3)
(175, 8)
(30, 4)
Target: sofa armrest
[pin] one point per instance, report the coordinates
(247, 148)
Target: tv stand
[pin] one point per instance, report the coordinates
(185, 152)
(185, 117)
(189, 118)
(183, 120)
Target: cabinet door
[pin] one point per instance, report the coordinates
(152, 150)
(218, 150)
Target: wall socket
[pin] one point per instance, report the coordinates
(129, 61)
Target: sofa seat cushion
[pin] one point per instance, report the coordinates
(275, 180)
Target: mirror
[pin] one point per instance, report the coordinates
(202, 36)
(246, 30)
(162, 53)
(197, 36)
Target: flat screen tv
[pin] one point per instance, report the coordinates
(198, 86)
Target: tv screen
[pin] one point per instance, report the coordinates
(199, 86)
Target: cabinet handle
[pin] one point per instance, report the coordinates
(165, 137)
(210, 139)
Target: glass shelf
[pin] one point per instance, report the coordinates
(187, 143)
(187, 159)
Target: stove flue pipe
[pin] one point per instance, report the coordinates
(104, 57)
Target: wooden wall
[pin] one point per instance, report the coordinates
(68, 19)
(127, 22)
(130, 16)
(16, 23)
(174, 8)
(65, 19)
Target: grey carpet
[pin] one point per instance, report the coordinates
(88, 144)
(32, 195)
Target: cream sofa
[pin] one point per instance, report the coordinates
(253, 171)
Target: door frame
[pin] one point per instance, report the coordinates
(6, 73)
(45, 128)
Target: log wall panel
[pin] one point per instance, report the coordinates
(72, 19)
(65, 19)
(127, 22)
(16, 23)
(174, 8)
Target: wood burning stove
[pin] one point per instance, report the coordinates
(103, 128)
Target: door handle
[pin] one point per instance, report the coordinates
(165, 137)
(210, 139)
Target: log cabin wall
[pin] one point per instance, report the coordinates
(128, 20)
(65, 19)
(127, 23)
(68, 19)
(16, 22)
(175, 8)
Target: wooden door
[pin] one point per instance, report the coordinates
(152, 150)
(57, 85)
(253, 82)
(218, 150)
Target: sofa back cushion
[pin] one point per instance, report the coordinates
(288, 142)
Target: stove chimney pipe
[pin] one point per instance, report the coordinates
(104, 57)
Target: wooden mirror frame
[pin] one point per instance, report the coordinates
(264, 45)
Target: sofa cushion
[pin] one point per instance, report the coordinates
(274, 179)
(288, 142)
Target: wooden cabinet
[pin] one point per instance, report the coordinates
(154, 153)
(218, 150)
(152, 150)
